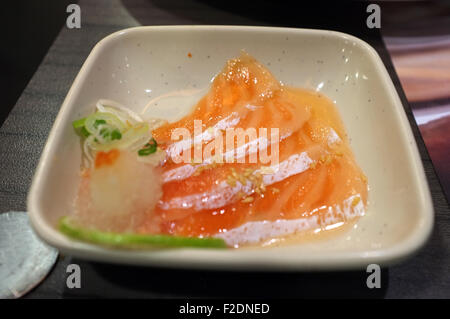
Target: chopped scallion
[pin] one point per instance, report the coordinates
(79, 123)
(149, 148)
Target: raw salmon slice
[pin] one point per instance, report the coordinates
(315, 181)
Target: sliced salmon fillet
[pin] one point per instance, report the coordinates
(315, 178)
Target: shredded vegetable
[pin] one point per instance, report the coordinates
(115, 127)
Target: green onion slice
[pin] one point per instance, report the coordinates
(99, 119)
(148, 148)
(79, 123)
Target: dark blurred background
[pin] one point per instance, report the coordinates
(29, 27)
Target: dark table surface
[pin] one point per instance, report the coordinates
(23, 135)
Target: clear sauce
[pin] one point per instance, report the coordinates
(308, 236)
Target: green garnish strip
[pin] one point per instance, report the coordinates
(149, 148)
(79, 123)
(135, 240)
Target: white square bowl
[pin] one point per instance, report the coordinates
(134, 65)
